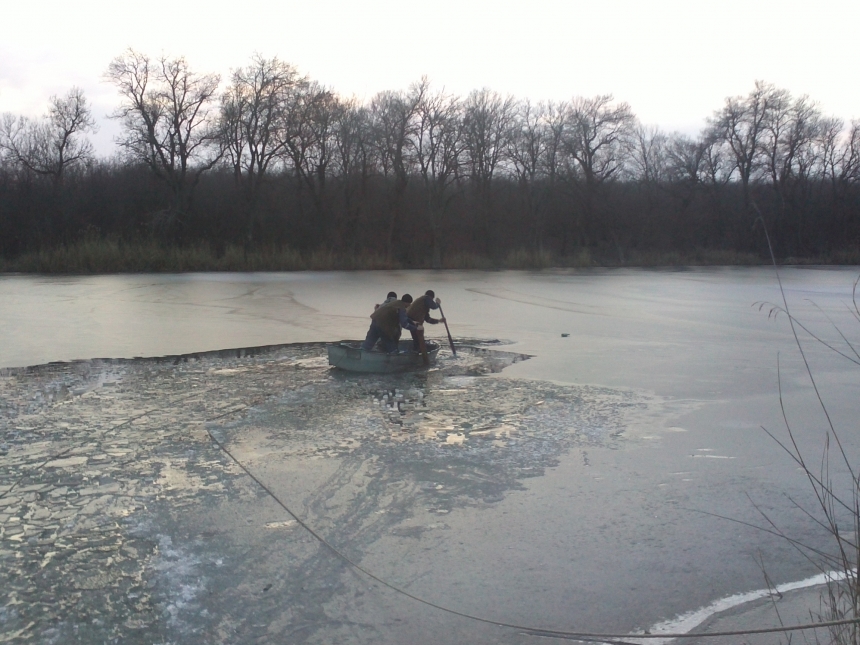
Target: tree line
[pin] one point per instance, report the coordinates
(272, 158)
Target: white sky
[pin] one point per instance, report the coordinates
(674, 62)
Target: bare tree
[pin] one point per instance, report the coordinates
(647, 167)
(718, 168)
(355, 160)
(487, 119)
(830, 139)
(791, 156)
(309, 149)
(774, 142)
(556, 163)
(849, 158)
(438, 150)
(685, 160)
(253, 125)
(684, 177)
(598, 136)
(555, 120)
(841, 169)
(393, 123)
(168, 118)
(648, 158)
(528, 148)
(51, 145)
(741, 123)
(718, 161)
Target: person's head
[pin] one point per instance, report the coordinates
(392, 295)
(430, 293)
(406, 298)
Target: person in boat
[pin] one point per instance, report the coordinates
(386, 324)
(389, 298)
(419, 313)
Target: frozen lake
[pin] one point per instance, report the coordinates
(668, 377)
(683, 334)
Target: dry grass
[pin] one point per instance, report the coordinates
(835, 482)
(91, 256)
(108, 256)
(700, 257)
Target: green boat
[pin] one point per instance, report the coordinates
(348, 355)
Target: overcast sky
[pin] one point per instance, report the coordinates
(673, 62)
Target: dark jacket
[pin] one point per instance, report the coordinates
(419, 310)
(391, 317)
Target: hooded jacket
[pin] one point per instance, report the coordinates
(419, 310)
(391, 317)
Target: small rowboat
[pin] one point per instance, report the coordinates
(348, 355)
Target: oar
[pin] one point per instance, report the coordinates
(450, 340)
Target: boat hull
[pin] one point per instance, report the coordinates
(349, 356)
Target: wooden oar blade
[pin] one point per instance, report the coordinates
(450, 340)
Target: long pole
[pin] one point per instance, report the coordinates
(450, 340)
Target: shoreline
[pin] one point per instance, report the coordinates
(98, 257)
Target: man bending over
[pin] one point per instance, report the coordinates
(419, 313)
(386, 323)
